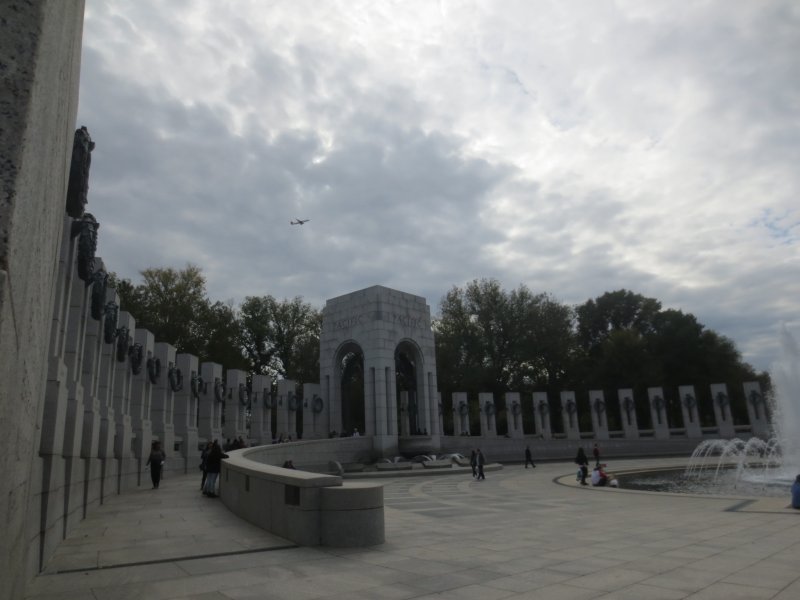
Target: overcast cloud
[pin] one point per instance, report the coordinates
(575, 147)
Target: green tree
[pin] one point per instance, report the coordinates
(172, 304)
(281, 337)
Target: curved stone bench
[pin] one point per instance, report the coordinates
(309, 509)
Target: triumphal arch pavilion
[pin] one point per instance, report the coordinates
(378, 368)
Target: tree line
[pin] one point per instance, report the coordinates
(488, 339)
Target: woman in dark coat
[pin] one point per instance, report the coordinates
(583, 464)
(156, 462)
(203, 457)
(213, 466)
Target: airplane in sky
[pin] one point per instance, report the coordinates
(299, 221)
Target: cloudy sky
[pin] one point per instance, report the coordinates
(575, 147)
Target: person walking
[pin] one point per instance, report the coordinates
(213, 466)
(203, 458)
(473, 462)
(583, 465)
(596, 453)
(481, 460)
(156, 462)
(528, 457)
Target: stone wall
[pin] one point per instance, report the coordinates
(40, 46)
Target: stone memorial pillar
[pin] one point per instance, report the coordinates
(690, 412)
(285, 386)
(314, 425)
(185, 397)
(54, 410)
(488, 414)
(460, 414)
(76, 401)
(141, 397)
(440, 419)
(627, 411)
(405, 429)
(597, 404)
(127, 465)
(569, 414)
(91, 369)
(722, 410)
(212, 399)
(162, 404)
(541, 415)
(514, 415)
(261, 411)
(236, 401)
(757, 410)
(433, 413)
(658, 413)
(105, 394)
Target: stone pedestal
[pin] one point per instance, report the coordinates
(261, 411)
(690, 412)
(627, 412)
(460, 414)
(314, 427)
(179, 378)
(212, 399)
(541, 415)
(286, 395)
(514, 415)
(163, 405)
(235, 405)
(757, 410)
(722, 410)
(569, 414)
(658, 413)
(597, 405)
(141, 398)
(488, 414)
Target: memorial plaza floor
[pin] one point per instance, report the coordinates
(519, 534)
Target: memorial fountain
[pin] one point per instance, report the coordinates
(753, 466)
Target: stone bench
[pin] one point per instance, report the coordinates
(400, 466)
(438, 464)
(310, 509)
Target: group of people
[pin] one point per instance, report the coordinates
(234, 444)
(211, 464)
(599, 476)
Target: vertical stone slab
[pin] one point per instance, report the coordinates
(261, 415)
(185, 398)
(212, 398)
(658, 413)
(405, 425)
(163, 404)
(141, 397)
(313, 426)
(722, 410)
(597, 404)
(514, 415)
(433, 424)
(627, 411)
(287, 390)
(40, 52)
(541, 415)
(569, 414)
(127, 465)
(460, 413)
(690, 412)
(105, 395)
(488, 414)
(236, 401)
(757, 410)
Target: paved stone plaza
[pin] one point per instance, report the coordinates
(519, 534)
